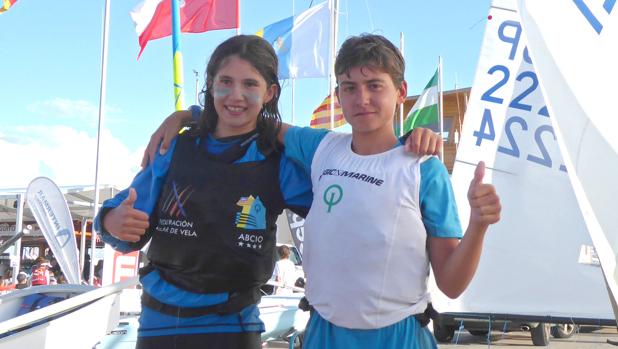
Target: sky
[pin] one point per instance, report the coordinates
(50, 75)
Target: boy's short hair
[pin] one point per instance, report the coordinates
(374, 51)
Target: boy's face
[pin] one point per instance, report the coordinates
(368, 98)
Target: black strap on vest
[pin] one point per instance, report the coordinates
(236, 302)
(426, 316)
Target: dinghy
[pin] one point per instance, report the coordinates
(59, 316)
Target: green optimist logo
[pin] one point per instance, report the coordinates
(332, 196)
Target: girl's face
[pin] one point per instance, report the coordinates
(239, 92)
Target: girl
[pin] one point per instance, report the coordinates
(209, 207)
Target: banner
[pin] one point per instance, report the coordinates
(297, 229)
(119, 266)
(51, 212)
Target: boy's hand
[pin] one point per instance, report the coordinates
(485, 205)
(125, 222)
(423, 141)
(167, 131)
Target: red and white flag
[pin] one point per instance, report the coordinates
(153, 19)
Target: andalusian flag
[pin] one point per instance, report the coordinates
(425, 110)
(6, 4)
(321, 115)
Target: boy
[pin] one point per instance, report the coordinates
(379, 216)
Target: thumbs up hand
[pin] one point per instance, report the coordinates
(125, 222)
(485, 205)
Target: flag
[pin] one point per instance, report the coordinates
(6, 4)
(321, 115)
(153, 19)
(425, 110)
(301, 43)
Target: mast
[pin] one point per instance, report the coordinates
(102, 96)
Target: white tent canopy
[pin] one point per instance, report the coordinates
(80, 199)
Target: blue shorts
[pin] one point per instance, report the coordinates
(405, 334)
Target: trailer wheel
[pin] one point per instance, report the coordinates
(540, 334)
(563, 330)
(479, 333)
(443, 333)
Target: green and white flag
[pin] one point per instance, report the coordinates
(425, 110)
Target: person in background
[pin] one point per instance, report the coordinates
(22, 280)
(98, 273)
(40, 272)
(285, 271)
(86, 270)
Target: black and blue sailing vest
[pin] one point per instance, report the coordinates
(213, 229)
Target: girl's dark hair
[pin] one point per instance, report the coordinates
(373, 51)
(260, 54)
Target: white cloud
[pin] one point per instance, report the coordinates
(65, 155)
(74, 110)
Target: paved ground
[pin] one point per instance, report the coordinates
(519, 340)
(516, 340)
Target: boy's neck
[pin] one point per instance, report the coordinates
(369, 143)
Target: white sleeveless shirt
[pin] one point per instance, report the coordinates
(366, 258)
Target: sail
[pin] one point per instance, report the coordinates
(576, 55)
(52, 213)
(538, 260)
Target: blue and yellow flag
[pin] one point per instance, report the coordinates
(301, 43)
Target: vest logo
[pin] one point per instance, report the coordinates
(253, 213)
(175, 201)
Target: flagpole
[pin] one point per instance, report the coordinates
(334, 7)
(238, 16)
(293, 79)
(293, 98)
(197, 83)
(177, 57)
(93, 236)
(440, 106)
(458, 128)
(401, 105)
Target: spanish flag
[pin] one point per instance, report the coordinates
(321, 115)
(6, 4)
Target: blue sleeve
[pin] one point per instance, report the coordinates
(295, 185)
(147, 184)
(301, 143)
(438, 206)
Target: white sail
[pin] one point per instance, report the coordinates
(535, 261)
(52, 213)
(576, 56)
